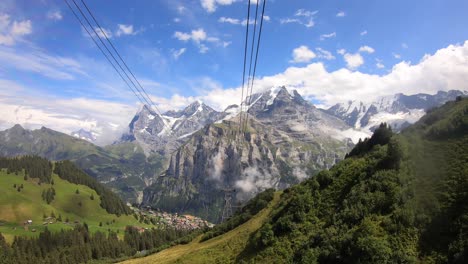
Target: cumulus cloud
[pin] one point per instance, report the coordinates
(199, 37)
(211, 5)
(13, 31)
(302, 54)
(363, 33)
(366, 49)
(353, 60)
(327, 36)
(125, 30)
(341, 14)
(55, 15)
(445, 70)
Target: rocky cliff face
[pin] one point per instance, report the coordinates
(286, 140)
(398, 110)
(165, 133)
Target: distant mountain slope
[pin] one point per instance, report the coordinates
(397, 198)
(398, 110)
(123, 167)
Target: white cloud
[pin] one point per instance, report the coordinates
(101, 33)
(11, 32)
(396, 56)
(109, 119)
(211, 5)
(379, 65)
(446, 69)
(341, 14)
(199, 37)
(235, 21)
(404, 45)
(305, 13)
(124, 30)
(229, 20)
(302, 54)
(366, 49)
(324, 54)
(54, 67)
(302, 17)
(177, 53)
(181, 9)
(363, 33)
(21, 28)
(353, 61)
(55, 15)
(326, 36)
(176, 20)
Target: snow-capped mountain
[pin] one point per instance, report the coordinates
(164, 133)
(398, 110)
(90, 136)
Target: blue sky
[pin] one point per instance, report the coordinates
(184, 50)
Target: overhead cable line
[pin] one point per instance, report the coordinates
(245, 60)
(102, 51)
(256, 57)
(247, 98)
(118, 54)
(142, 96)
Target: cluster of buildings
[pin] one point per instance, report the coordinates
(179, 222)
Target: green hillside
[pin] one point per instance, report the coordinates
(394, 199)
(16, 207)
(122, 166)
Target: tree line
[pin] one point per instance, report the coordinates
(79, 245)
(33, 166)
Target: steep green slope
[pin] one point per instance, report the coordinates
(22, 199)
(123, 167)
(394, 199)
(400, 201)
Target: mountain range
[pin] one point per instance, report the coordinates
(182, 160)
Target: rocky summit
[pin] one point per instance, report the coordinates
(162, 134)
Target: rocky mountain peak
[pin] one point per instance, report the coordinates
(84, 134)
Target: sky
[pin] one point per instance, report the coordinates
(52, 74)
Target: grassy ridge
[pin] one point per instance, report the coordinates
(17, 207)
(221, 249)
